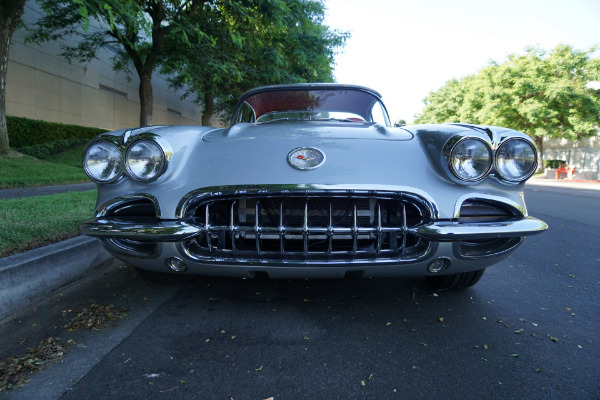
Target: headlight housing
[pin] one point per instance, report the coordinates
(470, 159)
(145, 160)
(516, 160)
(102, 162)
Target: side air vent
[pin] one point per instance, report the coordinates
(132, 208)
(474, 210)
(142, 207)
(484, 210)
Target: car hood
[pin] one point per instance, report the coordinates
(307, 130)
(359, 156)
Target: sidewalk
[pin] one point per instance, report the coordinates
(564, 183)
(44, 190)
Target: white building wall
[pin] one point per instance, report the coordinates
(43, 85)
(582, 154)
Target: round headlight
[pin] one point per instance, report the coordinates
(145, 160)
(516, 160)
(102, 162)
(470, 159)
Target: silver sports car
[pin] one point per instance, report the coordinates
(312, 181)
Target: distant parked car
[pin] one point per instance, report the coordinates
(311, 181)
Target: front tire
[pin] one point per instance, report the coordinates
(455, 281)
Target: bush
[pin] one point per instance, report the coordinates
(553, 163)
(51, 148)
(25, 132)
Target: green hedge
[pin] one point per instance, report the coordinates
(553, 163)
(23, 132)
(51, 148)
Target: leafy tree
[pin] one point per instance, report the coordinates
(255, 43)
(10, 15)
(144, 32)
(541, 93)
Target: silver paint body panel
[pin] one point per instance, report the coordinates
(360, 157)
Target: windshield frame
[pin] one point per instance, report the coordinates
(244, 102)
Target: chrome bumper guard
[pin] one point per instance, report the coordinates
(455, 230)
(155, 230)
(140, 228)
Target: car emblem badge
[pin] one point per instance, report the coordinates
(306, 158)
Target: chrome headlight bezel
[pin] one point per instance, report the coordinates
(499, 170)
(162, 154)
(452, 147)
(117, 171)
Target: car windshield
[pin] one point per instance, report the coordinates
(311, 104)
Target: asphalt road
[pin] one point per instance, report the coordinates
(528, 330)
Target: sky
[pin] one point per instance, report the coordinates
(405, 49)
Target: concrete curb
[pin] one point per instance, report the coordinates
(27, 277)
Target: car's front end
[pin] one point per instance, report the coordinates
(312, 198)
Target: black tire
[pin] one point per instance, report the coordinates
(161, 278)
(455, 281)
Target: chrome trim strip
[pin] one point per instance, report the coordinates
(143, 229)
(427, 253)
(453, 230)
(307, 189)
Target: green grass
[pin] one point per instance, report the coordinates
(72, 157)
(18, 170)
(33, 222)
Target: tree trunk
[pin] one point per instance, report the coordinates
(10, 14)
(146, 98)
(209, 109)
(539, 142)
(4, 43)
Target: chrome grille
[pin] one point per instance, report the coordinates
(308, 228)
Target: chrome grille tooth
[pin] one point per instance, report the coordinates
(305, 228)
(330, 231)
(404, 229)
(232, 226)
(257, 225)
(281, 229)
(378, 232)
(354, 230)
(207, 227)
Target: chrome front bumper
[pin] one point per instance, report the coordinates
(155, 230)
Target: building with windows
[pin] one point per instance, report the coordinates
(583, 155)
(43, 85)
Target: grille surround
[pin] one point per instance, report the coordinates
(307, 227)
